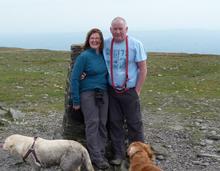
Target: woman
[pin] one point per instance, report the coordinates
(90, 94)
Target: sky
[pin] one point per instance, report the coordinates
(82, 15)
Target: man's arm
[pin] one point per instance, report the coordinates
(141, 76)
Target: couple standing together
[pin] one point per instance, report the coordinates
(115, 72)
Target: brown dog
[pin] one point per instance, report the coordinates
(141, 157)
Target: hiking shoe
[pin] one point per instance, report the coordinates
(116, 161)
(102, 165)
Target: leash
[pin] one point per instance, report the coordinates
(124, 85)
(31, 150)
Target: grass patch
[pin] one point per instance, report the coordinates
(33, 80)
(187, 84)
(183, 83)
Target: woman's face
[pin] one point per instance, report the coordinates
(95, 41)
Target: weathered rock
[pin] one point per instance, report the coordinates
(209, 142)
(3, 111)
(208, 155)
(5, 116)
(200, 163)
(160, 157)
(16, 114)
(213, 137)
(160, 151)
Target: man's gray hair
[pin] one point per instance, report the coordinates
(119, 19)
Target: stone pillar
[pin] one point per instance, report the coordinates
(73, 125)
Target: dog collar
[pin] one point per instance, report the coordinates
(135, 154)
(31, 150)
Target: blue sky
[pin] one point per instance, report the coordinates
(82, 15)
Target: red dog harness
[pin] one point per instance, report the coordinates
(31, 150)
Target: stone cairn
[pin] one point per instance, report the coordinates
(73, 125)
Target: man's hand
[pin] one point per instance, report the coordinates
(138, 91)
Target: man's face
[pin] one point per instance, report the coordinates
(119, 30)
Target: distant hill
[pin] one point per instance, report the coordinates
(181, 41)
(11, 49)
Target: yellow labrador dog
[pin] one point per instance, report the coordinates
(41, 153)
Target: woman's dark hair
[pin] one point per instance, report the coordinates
(94, 30)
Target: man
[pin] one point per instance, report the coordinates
(125, 58)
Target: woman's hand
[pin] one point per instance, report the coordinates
(76, 107)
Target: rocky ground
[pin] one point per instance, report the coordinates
(189, 144)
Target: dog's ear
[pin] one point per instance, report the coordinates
(149, 151)
(8, 145)
(130, 150)
(133, 148)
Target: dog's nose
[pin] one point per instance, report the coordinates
(1, 145)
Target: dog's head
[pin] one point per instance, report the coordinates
(9, 143)
(140, 146)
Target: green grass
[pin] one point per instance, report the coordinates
(185, 84)
(33, 80)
